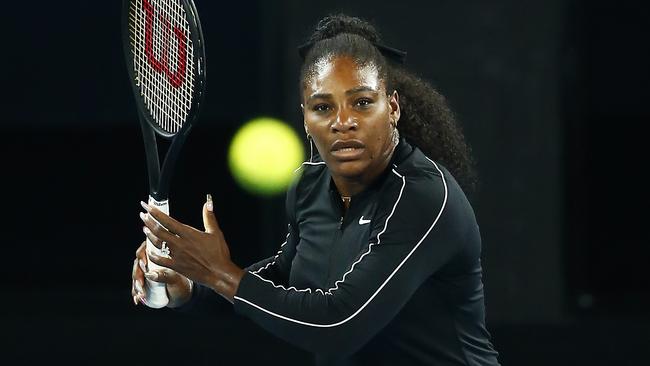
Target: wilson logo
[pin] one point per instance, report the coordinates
(176, 77)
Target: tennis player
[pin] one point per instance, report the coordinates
(381, 265)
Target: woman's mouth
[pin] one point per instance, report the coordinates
(347, 149)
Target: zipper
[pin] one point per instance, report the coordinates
(334, 247)
(337, 237)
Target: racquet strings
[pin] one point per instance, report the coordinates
(163, 60)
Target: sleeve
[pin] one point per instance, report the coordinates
(417, 233)
(275, 268)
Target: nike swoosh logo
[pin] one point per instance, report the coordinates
(362, 221)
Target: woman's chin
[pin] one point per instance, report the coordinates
(348, 169)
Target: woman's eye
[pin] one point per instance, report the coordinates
(364, 102)
(321, 107)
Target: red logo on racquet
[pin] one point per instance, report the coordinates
(177, 77)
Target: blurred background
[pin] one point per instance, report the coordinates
(552, 96)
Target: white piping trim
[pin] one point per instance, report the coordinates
(316, 163)
(444, 203)
(273, 262)
(284, 288)
(265, 267)
(308, 163)
(276, 255)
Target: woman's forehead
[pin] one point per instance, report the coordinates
(341, 71)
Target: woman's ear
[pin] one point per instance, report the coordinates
(393, 102)
(302, 108)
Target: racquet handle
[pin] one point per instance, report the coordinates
(156, 291)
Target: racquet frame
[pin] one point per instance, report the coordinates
(160, 176)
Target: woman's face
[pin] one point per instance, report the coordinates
(348, 114)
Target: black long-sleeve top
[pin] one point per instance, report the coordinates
(396, 280)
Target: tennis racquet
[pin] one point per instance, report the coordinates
(165, 57)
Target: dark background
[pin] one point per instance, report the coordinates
(552, 96)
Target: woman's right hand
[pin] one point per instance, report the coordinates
(179, 287)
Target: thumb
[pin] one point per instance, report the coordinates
(163, 275)
(209, 220)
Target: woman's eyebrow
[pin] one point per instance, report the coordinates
(319, 96)
(360, 89)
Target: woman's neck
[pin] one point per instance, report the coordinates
(350, 186)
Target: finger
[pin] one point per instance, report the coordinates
(155, 232)
(163, 275)
(135, 266)
(137, 289)
(139, 278)
(161, 261)
(134, 273)
(166, 221)
(141, 251)
(143, 264)
(139, 268)
(156, 241)
(209, 219)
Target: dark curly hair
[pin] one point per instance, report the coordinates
(426, 120)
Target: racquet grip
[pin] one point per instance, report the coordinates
(156, 292)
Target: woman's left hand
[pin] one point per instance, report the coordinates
(202, 256)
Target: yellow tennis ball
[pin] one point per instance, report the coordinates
(263, 155)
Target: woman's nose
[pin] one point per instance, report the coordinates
(344, 122)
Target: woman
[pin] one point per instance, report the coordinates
(382, 260)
